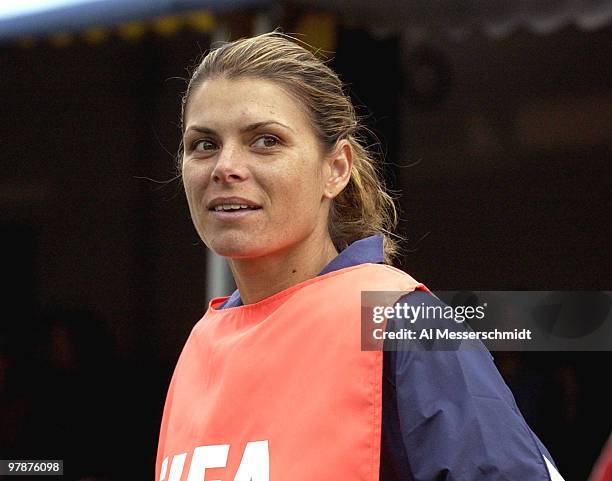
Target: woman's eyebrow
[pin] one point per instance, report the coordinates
(248, 128)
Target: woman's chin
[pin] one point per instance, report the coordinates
(236, 249)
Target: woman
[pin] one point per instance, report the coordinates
(272, 383)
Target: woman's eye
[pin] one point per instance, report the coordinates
(203, 145)
(266, 141)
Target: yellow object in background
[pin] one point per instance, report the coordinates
(201, 21)
(167, 26)
(132, 31)
(95, 35)
(61, 39)
(319, 30)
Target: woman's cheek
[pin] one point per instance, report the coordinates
(195, 182)
(196, 176)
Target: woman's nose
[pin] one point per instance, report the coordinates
(230, 166)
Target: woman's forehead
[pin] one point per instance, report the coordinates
(243, 101)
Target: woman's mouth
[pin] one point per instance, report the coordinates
(233, 207)
(233, 211)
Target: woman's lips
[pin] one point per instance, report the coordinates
(230, 201)
(233, 214)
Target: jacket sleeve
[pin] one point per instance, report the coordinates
(457, 417)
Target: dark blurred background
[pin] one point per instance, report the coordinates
(496, 136)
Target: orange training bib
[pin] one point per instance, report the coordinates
(280, 389)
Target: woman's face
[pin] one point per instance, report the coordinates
(253, 169)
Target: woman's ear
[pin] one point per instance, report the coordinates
(340, 163)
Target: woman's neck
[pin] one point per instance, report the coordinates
(262, 277)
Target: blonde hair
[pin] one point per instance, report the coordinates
(364, 207)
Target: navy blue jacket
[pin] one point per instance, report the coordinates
(447, 415)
